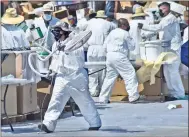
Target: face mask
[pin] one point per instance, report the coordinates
(161, 13)
(47, 17)
(57, 32)
(128, 28)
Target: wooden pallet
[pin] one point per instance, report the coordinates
(143, 99)
(19, 118)
(31, 116)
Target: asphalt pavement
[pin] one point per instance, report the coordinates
(118, 120)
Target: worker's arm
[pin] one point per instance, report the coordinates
(130, 42)
(107, 40)
(147, 34)
(157, 27)
(28, 35)
(82, 26)
(25, 41)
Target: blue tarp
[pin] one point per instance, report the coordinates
(184, 54)
(65, 3)
(109, 9)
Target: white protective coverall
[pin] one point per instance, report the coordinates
(71, 81)
(82, 23)
(137, 34)
(100, 29)
(117, 62)
(169, 30)
(39, 22)
(14, 38)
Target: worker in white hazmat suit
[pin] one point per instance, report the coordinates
(117, 62)
(71, 81)
(13, 38)
(137, 34)
(43, 22)
(113, 21)
(82, 23)
(100, 29)
(169, 30)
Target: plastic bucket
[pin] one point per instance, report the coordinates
(150, 50)
(42, 67)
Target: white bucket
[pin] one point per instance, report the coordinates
(42, 67)
(150, 50)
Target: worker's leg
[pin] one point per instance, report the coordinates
(79, 92)
(101, 74)
(92, 56)
(111, 75)
(173, 80)
(127, 72)
(58, 100)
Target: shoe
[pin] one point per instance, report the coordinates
(104, 102)
(43, 127)
(95, 94)
(94, 128)
(167, 98)
(136, 100)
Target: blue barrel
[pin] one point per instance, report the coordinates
(184, 54)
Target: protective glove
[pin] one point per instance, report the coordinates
(143, 37)
(140, 25)
(61, 47)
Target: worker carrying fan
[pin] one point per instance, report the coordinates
(71, 80)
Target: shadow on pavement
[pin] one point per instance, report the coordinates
(21, 130)
(78, 130)
(113, 130)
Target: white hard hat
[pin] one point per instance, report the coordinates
(63, 25)
(48, 7)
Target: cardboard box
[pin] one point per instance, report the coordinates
(26, 7)
(41, 99)
(43, 89)
(43, 84)
(186, 15)
(27, 98)
(184, 3)
(153, 90)
(126, 4)
(153, 5)
(19, 66)
(61, 14)
(11, 100)
(12, 65)
(119, 88)
(9, 65)
(123, 15)
(160, 73)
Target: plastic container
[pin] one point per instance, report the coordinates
(150, 50)
(42, 67)
(184, 53)
(36, 33)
